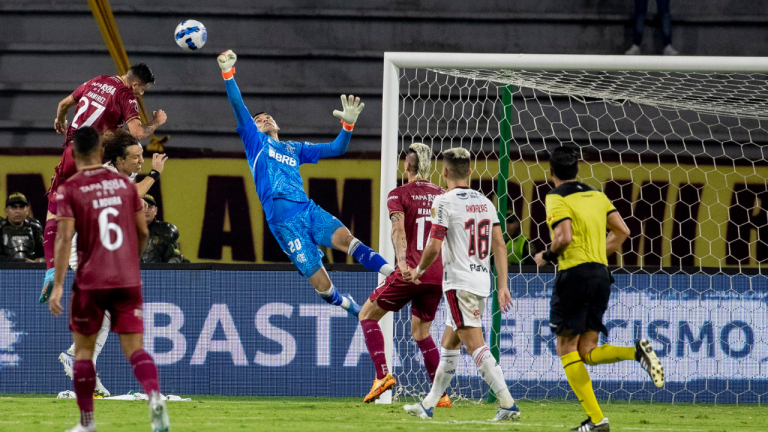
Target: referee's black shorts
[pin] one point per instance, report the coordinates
(579, 299)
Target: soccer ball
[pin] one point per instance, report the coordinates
(191, 35)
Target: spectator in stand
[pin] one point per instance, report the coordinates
(163, 245)
(518, 246)
(22, 236)
(641, 11)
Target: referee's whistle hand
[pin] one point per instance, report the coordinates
(540, 261)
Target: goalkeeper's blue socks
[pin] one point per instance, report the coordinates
(333, 297)
(369, 258)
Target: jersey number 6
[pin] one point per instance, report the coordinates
(106, 228)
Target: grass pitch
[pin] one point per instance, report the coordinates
(42, 413)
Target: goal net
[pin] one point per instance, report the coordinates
(678, 145)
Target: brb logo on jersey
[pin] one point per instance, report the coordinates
(281, 157)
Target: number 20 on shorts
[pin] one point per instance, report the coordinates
(294, 245)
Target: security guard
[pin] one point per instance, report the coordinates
(163, 246)
(22, 236)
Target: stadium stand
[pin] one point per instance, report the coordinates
(297, 57)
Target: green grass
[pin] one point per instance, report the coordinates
(41, 413)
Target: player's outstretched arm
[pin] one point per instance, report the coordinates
(500, 260)
(158, 164)
(563, 236)
(618, 233)
(140, 130)
(226, 61)
(61, 252)
(60, 123)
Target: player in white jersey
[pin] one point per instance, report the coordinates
(123, 153)
(465, 225)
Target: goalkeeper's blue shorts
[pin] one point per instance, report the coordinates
(299, 236)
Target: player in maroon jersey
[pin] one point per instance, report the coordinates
(409, 210)
(103, 103)
(105, 209)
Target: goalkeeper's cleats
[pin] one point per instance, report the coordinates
(158, 413)
(100, 390)
(80, 428)
(511, 413)
(647, 357)
(379, 387)
(45, 294)
(419, 411)
(587, 425)
(68, 362)
(354, 308)
(444, 402)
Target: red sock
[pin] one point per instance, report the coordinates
(49, 239)
(374, 340)
(145, 370)
(431, 355)
(85, 383)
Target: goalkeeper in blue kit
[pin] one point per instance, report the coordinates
(299, 225)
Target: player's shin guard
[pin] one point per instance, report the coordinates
(374, 340)
(445, 371)
(431, 355)
(578, 378)
(49, 240)
(493, 375)
(101, 339)
(609, 354)
(145, 371)
(84, 382)
(369, 258)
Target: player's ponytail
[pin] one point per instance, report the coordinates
(424, 158)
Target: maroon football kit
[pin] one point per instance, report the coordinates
(414, 200)
(103, 103)
(104, 204)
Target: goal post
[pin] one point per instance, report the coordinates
(675, 142)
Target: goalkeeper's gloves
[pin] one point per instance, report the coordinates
(227, 61)
(351, 109)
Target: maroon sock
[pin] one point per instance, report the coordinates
(49, 239)
(431, 355)
(145, 370)
(85, 383)
(374, 340)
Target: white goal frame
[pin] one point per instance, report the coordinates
(394, 61)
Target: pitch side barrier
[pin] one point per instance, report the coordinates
(261, 330)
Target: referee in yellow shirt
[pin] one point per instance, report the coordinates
(579, 216)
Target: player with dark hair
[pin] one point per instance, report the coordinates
(466, 227)
(579, 216)
(108, 214)
(299, 225)
(104, 103)
(409, 210)
(123, 154)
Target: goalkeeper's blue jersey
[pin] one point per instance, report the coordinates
(275, 167)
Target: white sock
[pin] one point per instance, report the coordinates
(71, 350)
(493, 375)
(386, 269)
(353, 245)
(101, 339)
(345, 303)
(449, 360)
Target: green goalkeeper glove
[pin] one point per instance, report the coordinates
(351, 109)
(227, 61)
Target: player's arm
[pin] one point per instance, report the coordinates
(140, 130)
(399, 240)
(562, 238)
(61, 252)
(500, 261)
(60, 123)
(431, 251)
(158, 164)
(226, 61)
(142, 232)
(618, 232)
